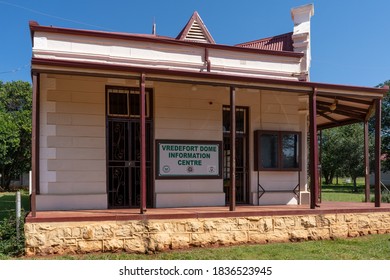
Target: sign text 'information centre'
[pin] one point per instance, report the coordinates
(186, 159)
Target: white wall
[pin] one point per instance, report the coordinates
(173, 56)
(72, 143)
(271, 110)
(195, 113)
(186, 112)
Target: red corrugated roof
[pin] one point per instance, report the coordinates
(281, 42)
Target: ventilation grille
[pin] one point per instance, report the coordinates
(196, 33)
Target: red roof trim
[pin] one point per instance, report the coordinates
(206, 75)
(35, 27)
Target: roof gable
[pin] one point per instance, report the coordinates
(195, 30)
(283, 42)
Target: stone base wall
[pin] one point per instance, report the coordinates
(159, 235)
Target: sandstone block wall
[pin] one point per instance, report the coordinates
(158, 235)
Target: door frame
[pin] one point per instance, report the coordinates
(150, 195)
(226, 134)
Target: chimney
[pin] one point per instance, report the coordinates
(301, 36)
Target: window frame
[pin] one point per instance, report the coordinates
(245, 122)
(280, 134)
(128, 91)
(117, 91)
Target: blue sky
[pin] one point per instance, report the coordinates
(350, 39)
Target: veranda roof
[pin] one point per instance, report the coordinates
(336, 104)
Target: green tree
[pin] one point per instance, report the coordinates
(342, 152)
(15, 130)
(342, 147)
(385, 132)
(331, 151)
(353, 143)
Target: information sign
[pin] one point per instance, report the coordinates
(188, 159)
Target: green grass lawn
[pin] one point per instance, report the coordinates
(344, 191)
(8, 203)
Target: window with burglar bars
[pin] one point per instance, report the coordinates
(242, 175)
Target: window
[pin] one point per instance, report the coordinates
(124, 102)
(290, 150)
(118, 103)
(277, 150)
(269, 147)
(241, 115)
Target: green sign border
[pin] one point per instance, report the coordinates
(188, 142)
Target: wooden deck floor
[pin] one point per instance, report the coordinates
(204, 212)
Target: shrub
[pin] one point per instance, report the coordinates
(10, 243)
(386, 197)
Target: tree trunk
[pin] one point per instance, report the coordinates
(6, 184)
(5, 181)
(2, 181)
(328, 179)
(331, 177)
(354, 184)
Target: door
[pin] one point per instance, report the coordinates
(242, 164)
(123, 149)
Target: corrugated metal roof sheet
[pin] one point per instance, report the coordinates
(281, 42)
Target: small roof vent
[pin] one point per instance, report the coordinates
(195, 30)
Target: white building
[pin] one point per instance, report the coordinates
(93, 135)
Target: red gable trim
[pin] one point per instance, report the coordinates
(195, 17)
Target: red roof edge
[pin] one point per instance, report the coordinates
(282, 42)
(386, 88)
(32, 24)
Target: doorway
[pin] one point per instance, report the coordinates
(123, 148)
(242, 163)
